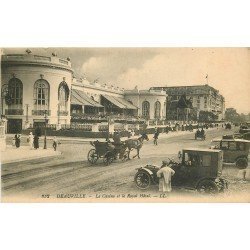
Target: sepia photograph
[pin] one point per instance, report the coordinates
(125, 124)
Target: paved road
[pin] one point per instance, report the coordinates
(70, 173)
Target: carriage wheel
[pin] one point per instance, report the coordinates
(92, 156)
(108, 159)
(142, 180)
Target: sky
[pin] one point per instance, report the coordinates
(228, 69)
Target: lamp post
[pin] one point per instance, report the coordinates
(45, 132)
(108, 118)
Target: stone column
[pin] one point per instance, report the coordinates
(95, 127)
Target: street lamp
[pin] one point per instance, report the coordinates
(45, 132)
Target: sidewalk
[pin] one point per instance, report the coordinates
(161, 136)
(24, 153)
(87, 140)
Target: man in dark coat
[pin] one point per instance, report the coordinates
(156, 136)
(36, 141)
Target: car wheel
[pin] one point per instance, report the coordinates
(241, 163)
(208, 187)
(142, 180)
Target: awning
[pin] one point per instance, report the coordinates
(80, 98)
(120, 102)
(126, 103)
(113, 100)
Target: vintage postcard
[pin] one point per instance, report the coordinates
(125, 124)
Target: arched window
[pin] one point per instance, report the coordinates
(41, 95)
(15, 93)
(145, 109)
(63, 96)
(157, 110)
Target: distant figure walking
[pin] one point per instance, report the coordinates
(17, 140)
(55, 143)
(36, 142)
(156, 136)
(132, 133)
(31, 140)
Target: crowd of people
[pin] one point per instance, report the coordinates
(33, 141)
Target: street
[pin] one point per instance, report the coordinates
(71, 173)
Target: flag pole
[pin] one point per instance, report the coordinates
(207, 78)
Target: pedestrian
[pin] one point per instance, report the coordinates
(36, 141)
(55, 143)
(129, 134)
(132, 133)
(18, 140)
(156, 136)
(31, 140)
(165, 174)
(14, 141)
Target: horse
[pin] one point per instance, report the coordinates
(136, 144)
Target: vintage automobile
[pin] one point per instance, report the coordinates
(198, 169)
(244, 129)
(228, 126)
(234, 150)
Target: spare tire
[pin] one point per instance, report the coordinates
(241, 163)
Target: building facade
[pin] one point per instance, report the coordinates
(35, 89)
(42, 90)
(151, 103)
(204, 98)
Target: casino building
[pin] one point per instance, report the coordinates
(39, 89)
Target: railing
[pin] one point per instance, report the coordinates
(131, 126)
(103, 127)
(42, 58)
(41, 112)
(62, 113)
(63, 61)
(84, 127)
(14, 111)
(119, 127)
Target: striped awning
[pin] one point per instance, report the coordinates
(78, 97)
(126, 103)
(119, 102)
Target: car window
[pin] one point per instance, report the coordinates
(192, 160)
(232, 145)
(224, 145)
(206, 160)
(241, 146)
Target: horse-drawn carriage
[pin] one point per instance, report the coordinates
(200, 134)
(109, 151)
